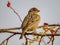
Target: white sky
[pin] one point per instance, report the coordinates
(50, 12)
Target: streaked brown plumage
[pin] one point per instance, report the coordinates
(31, 21)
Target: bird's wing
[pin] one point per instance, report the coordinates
(30, 21)
(25, 21)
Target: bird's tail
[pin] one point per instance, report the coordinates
(22, 34)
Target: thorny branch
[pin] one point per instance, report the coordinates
(7, 29)
(14, 33)
(30, 33)
(36, 34)
(17, 28)
(53, 36)
(7, 39)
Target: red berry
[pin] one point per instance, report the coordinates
(45, 23)
(8, 4)
(52, 31)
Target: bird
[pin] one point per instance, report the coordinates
(31, 21)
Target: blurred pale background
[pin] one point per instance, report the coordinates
(50, 13)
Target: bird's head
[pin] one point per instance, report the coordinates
(33, 10)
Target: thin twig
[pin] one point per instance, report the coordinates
(26, 40)
(16, 14)
(41, 39)
(6, 42)
(30, 33)
(50, 25)
(57, 29)
(52, 40)
(55, 33)
(7, 29)
(7, 39)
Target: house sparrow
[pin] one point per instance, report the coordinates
(31, 21)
